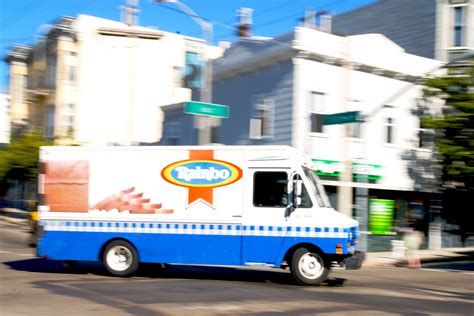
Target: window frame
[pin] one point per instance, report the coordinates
(318, 114)
(173, 135)
(268, 195)
(389, 130)
(49, 121)
(70, 61)
(262, 125)
(459, 24)
(68, 120)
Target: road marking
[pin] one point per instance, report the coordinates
(437, 292)
(448, 270)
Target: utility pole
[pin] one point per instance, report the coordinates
(344, 194)
(203, 122)
(130, 17)
(130, 12)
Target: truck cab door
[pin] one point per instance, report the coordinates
(266, 216)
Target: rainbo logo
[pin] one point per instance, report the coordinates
(201, 173)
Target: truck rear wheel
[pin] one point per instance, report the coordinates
(120, 258)
(309, 268)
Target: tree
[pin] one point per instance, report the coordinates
(19, 161)
(454, 140)
(454, 127)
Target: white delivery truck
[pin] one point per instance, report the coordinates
(213, 205)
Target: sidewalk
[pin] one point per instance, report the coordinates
(372, 259)
(14, 216)
(379, 259)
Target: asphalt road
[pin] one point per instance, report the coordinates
(31, 285)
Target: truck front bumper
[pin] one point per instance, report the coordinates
(355, 261)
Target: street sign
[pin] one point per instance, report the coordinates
(206, 109)
(342, 118)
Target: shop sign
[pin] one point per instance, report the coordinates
(333, 168)
(381, 214)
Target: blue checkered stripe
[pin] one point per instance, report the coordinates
(194, 229)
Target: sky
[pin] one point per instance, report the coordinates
(22, 21)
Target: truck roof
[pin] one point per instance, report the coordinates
(145, 148)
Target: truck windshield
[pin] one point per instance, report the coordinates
(317, 188)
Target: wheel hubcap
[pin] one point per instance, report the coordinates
(119, 258)
(311, 266)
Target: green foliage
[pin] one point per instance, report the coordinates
(455, 126)
(19, 160)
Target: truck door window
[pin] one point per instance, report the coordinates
(305, 199)
(270, 189)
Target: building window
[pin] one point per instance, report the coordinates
(459, 17)
(389, 127)
(425, 136)
(261, 123)
(270, 189)
(194, 71)
(177, 76)
(70, 67)
(421, 138)
(49, 126)
(69, 120)
(215, 134)
(316, 111)
(172, 133)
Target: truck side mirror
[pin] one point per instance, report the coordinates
(297, 191)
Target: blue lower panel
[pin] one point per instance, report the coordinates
(271, 250)
(181, 248)
(159, 248)
(261, 249)
(326, 244)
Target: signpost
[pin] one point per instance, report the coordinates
(206, 109)
(343, 118)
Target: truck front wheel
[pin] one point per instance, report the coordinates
(309, 268)
(120, 258)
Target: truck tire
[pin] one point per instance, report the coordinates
(120, 258)
(309, 268)
(70, 264)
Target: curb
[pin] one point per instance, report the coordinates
(14, 221)
(385, 261)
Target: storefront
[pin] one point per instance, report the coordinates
(386, 212)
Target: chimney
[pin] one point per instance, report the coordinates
(325, 24)
(309, 20)
(130, 12)
(245, 22)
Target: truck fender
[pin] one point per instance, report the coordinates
(286, 253)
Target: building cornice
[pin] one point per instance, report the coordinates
(248, 57)
(122, 32)
(18, 54)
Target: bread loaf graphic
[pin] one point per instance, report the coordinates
(66, 189)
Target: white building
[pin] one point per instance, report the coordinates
(97, 81)
(279, 90)
(4, 119)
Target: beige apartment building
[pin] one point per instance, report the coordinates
(92, 81)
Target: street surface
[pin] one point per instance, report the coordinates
(31, 285)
